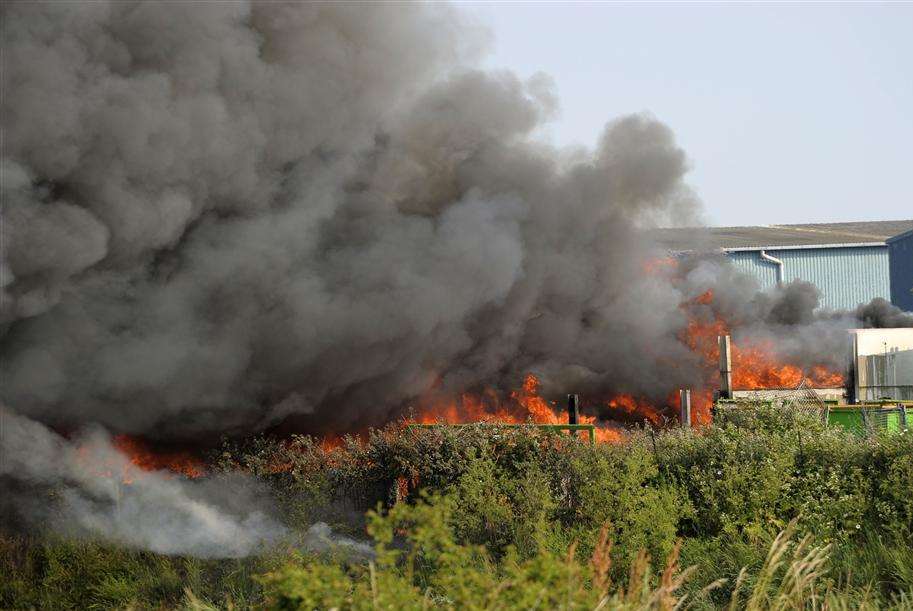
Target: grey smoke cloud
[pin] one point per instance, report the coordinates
(101, 495)
(94, 491)
(879, 313)
(221, 215)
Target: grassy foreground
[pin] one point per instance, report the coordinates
(758, 512)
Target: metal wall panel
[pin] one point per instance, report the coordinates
(751, 262)
(846, 277)
(888, 375)
(900, 253)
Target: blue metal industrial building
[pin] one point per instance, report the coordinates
(900, 255)
(850, 263)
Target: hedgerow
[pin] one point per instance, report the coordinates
(483, 516)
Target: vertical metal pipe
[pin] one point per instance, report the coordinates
(857, 372)
(725, 367)
(684, 398)
(573, 409)
(777, 262)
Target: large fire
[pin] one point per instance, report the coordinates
(755, 367)
(521, 406)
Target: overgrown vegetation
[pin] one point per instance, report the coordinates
(758, 512)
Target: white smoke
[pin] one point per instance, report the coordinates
(101, 495)
(320, 538)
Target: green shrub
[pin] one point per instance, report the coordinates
(431, 569)
(64, 574)
(481, 516)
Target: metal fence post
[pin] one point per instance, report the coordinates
(725, 367)
(573, 409)
(684, 398)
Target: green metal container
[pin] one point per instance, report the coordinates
(867, 418)
(864, 419)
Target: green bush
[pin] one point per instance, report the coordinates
(63, 574)
(431, 568)
(482, 516)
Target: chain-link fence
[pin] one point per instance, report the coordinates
(804, 403)
(801, 401)
(885, 418)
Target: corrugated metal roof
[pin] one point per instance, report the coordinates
(774, 236)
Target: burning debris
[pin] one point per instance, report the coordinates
(751, 366)
(144, 457)
(521, 406)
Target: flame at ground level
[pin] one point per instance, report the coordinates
(521, 406)
(755, 365)
(755, 368)
(126, 458)
(143, 457)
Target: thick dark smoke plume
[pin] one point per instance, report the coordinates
(217, 217)
(880, 314)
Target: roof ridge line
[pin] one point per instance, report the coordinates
(825, 231)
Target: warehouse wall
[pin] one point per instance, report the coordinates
(846, 277)
(900, 254)
(886, 375)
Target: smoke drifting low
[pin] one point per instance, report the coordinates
(217, 517)
(221, 216)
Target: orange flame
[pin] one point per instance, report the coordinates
(521, 406)
(755, 366)
(660, 266)
(330, 442)
(638, 406)
(144, 458)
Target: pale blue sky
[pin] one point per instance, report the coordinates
(789, 113)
